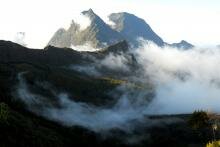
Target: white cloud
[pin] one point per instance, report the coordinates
(86, 47)
(115, 62)
(20, 38)
(82, 20)
(185, 80)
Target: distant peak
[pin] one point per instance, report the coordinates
(120, 15)
(183, 41)
(90, 10)
(90, 13)
(183, 45)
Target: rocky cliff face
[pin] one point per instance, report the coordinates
(132, 27)
(98, 34)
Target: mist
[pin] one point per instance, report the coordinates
(123, 115)
(183, 81)
(87, 47)
(20, 38)
(83, 21)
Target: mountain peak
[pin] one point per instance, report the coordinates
(89, 13)
(182, 45)
(98, 34)
(133, 28)
(183, 41)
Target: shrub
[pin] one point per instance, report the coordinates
(4, 112)
(199, 120)
(213, 144)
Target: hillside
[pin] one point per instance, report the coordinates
(33, 83)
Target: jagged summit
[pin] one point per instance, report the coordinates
(89, 13)
(133, 27)
(98, 34)
(92, 16)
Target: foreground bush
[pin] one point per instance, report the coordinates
(4, 112)
(213, 144)
(199, 120)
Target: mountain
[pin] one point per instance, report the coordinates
(52, 60)
(14, 53)
(98, 34)
(182, 45)
(133, 27)
(33, 80)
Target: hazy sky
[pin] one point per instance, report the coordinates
(197, 21)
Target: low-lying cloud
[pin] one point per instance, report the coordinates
(122, 115)
(183, 81)
(87, 47)
(115, 62)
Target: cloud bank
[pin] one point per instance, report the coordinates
(123, 115)
(186, 80)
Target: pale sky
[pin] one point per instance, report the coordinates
(197, 21)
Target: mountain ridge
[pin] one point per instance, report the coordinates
(99, 34)
(182, 45)
(133, 27)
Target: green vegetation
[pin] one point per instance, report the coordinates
(114, 81)
(4, 112)
(199, 120)
(213, 144)
(22, 128)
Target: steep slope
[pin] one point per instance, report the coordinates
(182, 45)
(132, 27)
(22, 128)
(14, 53)
(98, 34)
(54, 66)
(11, 52)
